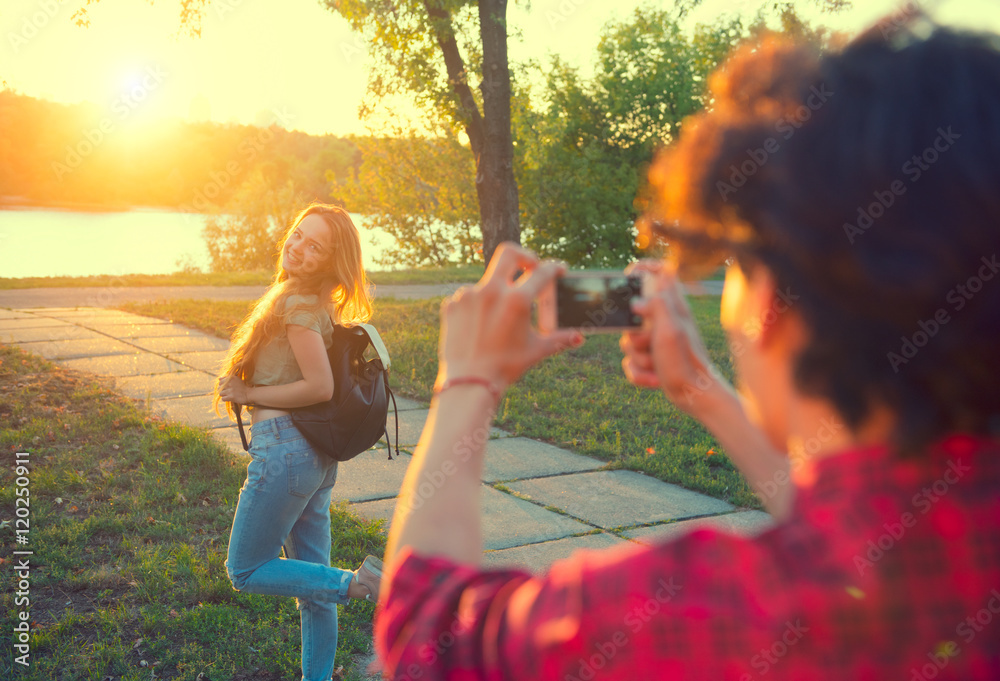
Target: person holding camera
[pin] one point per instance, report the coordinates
(885, 560)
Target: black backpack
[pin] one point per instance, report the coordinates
(355, 418)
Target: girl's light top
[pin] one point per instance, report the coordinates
(276, 364)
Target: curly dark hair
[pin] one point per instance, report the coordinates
(867, 181)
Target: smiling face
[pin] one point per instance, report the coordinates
(308, 248)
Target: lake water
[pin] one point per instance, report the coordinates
(42, 242)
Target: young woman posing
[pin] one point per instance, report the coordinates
(278, 361)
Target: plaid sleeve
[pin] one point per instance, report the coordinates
(626, 614)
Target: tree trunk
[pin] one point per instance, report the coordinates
(489, 132)
(496, 187)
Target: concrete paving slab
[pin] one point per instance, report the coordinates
(125, 319)
(173, 345)
(405, 403)
(72, 310)
(125, 365)
(145, 330)
(741, 523)
(411, 424)
(143, 363)
(160, 386)
(29, 322)
(32, 309)
(517, 458)
(507, 520)
(13, 314)
(611, 499)
(210, 362)
(97, 316)
(194, 411)
(537, 558)
(74, 349)
(58, 332)
(380, 509)
(107, 296)
(370, 475)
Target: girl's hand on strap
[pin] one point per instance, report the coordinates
(233, 389)
(486, 329)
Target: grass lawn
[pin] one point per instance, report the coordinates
(458, 274)
(129, 525)
(578, 400)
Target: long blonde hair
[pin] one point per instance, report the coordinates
(341, 288)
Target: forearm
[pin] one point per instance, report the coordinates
(301, 393)
(438, 511)
(766, 469)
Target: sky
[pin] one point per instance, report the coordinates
(295, 62)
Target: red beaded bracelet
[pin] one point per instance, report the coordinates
(470, 380)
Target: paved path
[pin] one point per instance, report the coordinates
(540, 502)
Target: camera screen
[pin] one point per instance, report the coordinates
(596, 301)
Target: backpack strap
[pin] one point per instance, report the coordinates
(243, 435)
(383, 354)
(395, 412)
(376, 341)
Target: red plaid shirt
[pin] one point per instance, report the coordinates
(888, 569)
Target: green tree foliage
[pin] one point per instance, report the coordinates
(583, 156)
(244, 237)
(436, 51)
(421, 191)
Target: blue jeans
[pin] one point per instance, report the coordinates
(285, 503)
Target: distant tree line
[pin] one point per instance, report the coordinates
(581, 147)
(55, 153)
